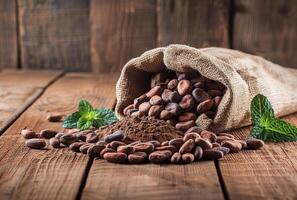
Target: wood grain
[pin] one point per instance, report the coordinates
(116, 181)
(267, 28)
(17, 93)
(270, 173)
(120, 30)
(8, 34)
(196, 23)
(54, 34)
(52, 173)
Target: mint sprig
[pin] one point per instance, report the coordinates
(266, 126)
(87, 116)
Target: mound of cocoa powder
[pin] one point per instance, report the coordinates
(142, 129)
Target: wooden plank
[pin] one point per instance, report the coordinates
(120, 30)
(270, 173)
(53, 173)
(267, 28)
(18, 89)
(8, 34)
(54, 34)
(196, 23)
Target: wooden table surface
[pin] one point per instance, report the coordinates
(28, 96)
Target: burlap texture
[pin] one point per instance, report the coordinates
(244, 76)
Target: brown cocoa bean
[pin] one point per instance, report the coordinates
(165, 143)
(176, 157)
(171, 148)
(75, 146)
(128, 108)
(125, 149)
(144, 147)
(92, 138)
(204, 106)
(234, 146)
(94, 151)
(174, 97)
(198, 153)
(115, 136)
(195, 129)
(172, 84)
(176, 142)
(222, 138)
(225, 134)
(184, 87)
(145, 107)
(216, 102)
(106, 150)
(140, 100)
(60, 134)
(160, 156)
(115, 144)
(183, 126)
(68, 139)
(210, 136)
(156, 100)
(35, 143)
(191, 135)
(187, 116)
(187, 147)
(28, 134)
(187, 103)
(243, 144)
(203, 143)
(155, 110)
(55, 117)
(165, 114)
(84, 148)
(215, 93)
(117, 157)
(188, 158)
(165, 95)
(156, 143)
(214, 85)
(137, 114)
(102, 143)
(47, 133)
(215, 144)
(254, 143)
(131, 111)
(210, 154)
(200, 95)
(137, 157)
(174, 108)
(55, 142)
(157, 90)
(225, 150)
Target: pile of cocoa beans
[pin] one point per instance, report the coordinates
(195, 145)
(179, 100)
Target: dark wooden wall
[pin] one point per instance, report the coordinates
(101, 35)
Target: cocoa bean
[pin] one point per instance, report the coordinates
(198, 85)
(222, 138)
(156, 100)
(84, 148)
(92, 138)
(75, 146)
(102, 143)
(243, 144)
(140, 100)
(172, 84)
(214, 85)
(174, 108)
(157, 90)
(215, 93)
(225, 150)
(216, 102)
(191, 135)
(165, 143)
(116, 157)
(176, 157)
(171, 148)
(137, 114)
(200, 95)
(106, 150)
(176, 142)
(145, 107)
(156, 143)
(60, 134)
(35, 143)
(210, 154)
(183, 126)
(115, 136)
(94, 151)
(254, 143)
(28, 134)
(125, 149)
(68, 139)
(234, 146)
(225, 134)
(47, 133)
(165, 95)
(160, 156)
(187, 116)
(174, 97)
(128, 108)
(210, 136)
(198, 153)
(184, 87)
(188, 158)
(55, 142)
(131, 111)
(203, 143)
(195, 129)
(215, 144)
(55, 117)
(115, 144)
(155, 110)
(187, 147)
(165, 114)
(144, 147)
(137, 157)
(204, 106)
(187, 103)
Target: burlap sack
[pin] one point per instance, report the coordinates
(243, 74)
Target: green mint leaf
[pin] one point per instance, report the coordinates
(71, 120)
(104, 117)
(84, 107)
(84, 123)
(261, 107)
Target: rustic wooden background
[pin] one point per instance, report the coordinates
(101, 35)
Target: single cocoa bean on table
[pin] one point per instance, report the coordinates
(160, 156)
(156, 100)
(55, 117)
(137, 157)
(35, 143)
(234, 146)
(187, 103)
(115, 136)
(55, 142)
(171, 148)
(174, 108)
(203, 143)
(155, 110)
(211, 154)
(254, 143)
(187, 116)
(188, 158)
(94, 151)
(28, 134)
(210, 136)
(47, 133)
(184, 87)
(140, 100)
(125, 149)
(176, 142)
(116, 157)
(183, 126)
(191, 135)
(187, 147)
(68, 139)
(176, 158)
(75, 146)
(200, 95)
(146, 147)
(198, 153)
(106, 150)
(145, 107)
(157, 90)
